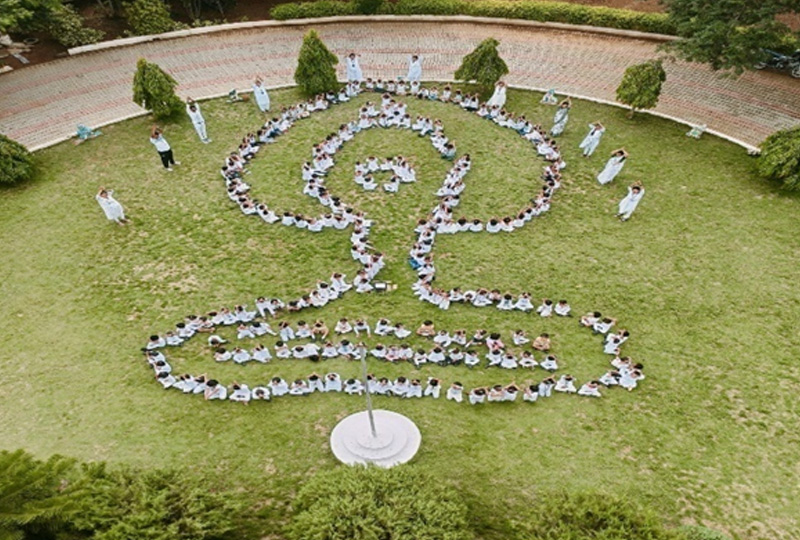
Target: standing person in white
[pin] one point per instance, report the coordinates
(499, 96)
(631, 201)
(592, 139)
(414, 68)
(613, 166)
(561, 118)
(199, 123)
(353, 68)
(163, 148)
(261, 96)
(110, 206)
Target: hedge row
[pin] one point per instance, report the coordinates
(531, 10)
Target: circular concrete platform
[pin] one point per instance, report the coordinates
(397, 440)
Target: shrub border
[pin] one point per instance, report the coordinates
(126, 42)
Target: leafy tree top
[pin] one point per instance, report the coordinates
(154, 89)
(35, 496)
(16, 163)
(357, 503)
(729, 34)
(780, 158)
(25, 15)
(315, 73)
(483, 65)
(641, 85)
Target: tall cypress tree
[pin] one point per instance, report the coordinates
(154, 89)
(315, 73)
(483, 65)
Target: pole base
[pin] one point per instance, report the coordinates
(397, 440)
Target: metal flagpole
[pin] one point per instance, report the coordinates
(363, 354)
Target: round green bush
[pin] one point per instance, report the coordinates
(359, 503)
(590, 516)
(67, 26)
(780, 158)
(16, 163)
(148, 17)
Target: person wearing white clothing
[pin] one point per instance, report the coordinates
(613, 166)
(261, 96)
(561, 118)
(113, 210)
(590, 389)
(592, 139)
(199, 123)
(353, 68)
(414, 68)
(631, 201)
(455, 392)
(499, 96)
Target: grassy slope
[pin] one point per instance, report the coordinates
(704, 276)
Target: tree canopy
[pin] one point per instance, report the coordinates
(25, 15)
(35, 496)
(780, 158)
(483, 65)
(729, 34)
(641, 85)
(358, 503)
(16, 163)
(315, 73)
(154, 89)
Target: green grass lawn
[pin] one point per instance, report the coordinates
(704, 276)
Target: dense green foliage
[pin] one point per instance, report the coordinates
(147, 17)
(532, 10)
(25, 15)
(66, 25)
(16, 163)
(358, 503)
(367, 7)
(780, 158)
(36, 497)
(729, 34)
(483, 65)
(315, 72)
(590, 516)
(641, 84)
(40, 500)
(154, 89)
(155, 505)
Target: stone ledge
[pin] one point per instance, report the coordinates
(231, 27)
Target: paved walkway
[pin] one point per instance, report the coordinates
(42, 105)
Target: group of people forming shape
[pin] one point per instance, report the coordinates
(449, 349)
(390, 113)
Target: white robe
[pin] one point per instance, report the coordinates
(630, 202)
(611, 170)
(261, 96)
(499, 97)
(111, 207)
(592, 139)
(414, 69)
(561, 118)
(353, 69)
(198, 121)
